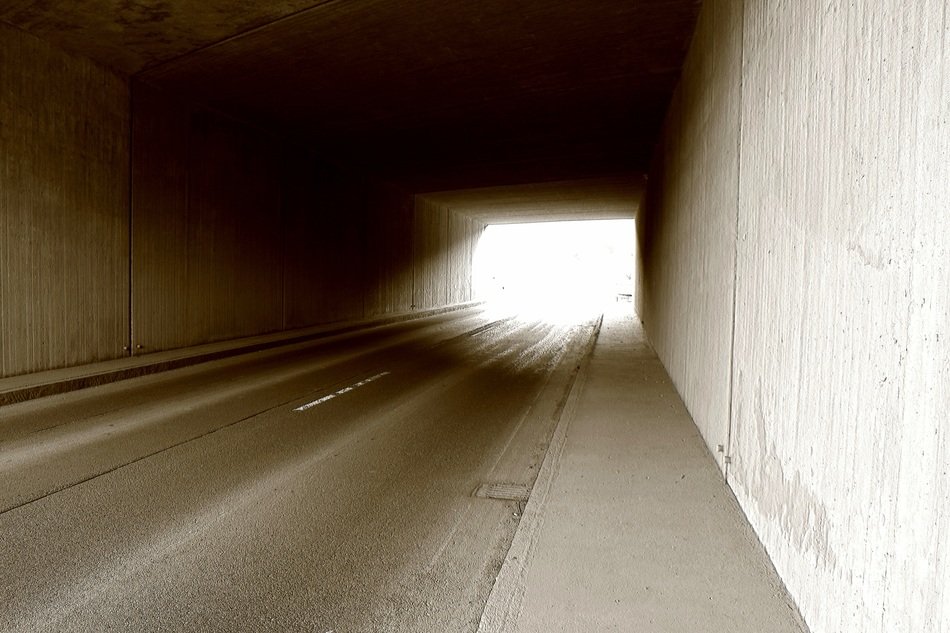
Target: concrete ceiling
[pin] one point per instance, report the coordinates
(129, 35)
(590, 199)
(437, 94)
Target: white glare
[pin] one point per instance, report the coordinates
(556, 271)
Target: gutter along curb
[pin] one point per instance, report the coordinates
(47, 383)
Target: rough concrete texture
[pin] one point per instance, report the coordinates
(463, 236)
(443, 249)
(840, 445)
(687, 263)
(630, 526)
(64, 133)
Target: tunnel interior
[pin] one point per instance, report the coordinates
(250, 170)
(177, 173)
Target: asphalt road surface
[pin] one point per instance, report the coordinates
(327, 486)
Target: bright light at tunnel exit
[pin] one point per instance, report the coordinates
(557, 271)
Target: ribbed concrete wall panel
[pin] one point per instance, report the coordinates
(305, 298)
(233, 231)
(206, 218)
(444, 244)
(161, 233)
(325, 222)
(235, 214)
(430, 257)
(344, 243)
(463, 235)
(388, 253)
(238, 233)
(687, 230)
(63, 208)
(839, 443)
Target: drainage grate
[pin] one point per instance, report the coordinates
(505, 492)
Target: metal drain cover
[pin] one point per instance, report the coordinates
(505, 492)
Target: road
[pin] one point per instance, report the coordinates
(327, 486)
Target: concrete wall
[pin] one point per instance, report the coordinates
(389, 250)
(64, 229)
(206, 227)
(325, 230)
(234, 232)
(237, 233)
(443, 252)
(463, 236)
(837, 183)
(687, 231)
(142, 221)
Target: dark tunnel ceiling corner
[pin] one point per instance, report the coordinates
(438, 95)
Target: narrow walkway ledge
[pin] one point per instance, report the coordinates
(630, 526)
(47, 383)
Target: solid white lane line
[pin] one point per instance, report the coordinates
(340, 392)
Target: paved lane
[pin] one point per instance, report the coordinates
(214, 498)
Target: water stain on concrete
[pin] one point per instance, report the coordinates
(779, 498)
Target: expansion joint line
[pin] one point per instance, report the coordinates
(727, 457)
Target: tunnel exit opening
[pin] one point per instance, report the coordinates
(557, 270)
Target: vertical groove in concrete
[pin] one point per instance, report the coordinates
(735, 251)
(442, 261)
(415, 247)
(130, 201)
(687, 226)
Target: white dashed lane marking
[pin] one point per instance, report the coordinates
(341, 392)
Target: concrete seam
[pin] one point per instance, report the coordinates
(130, 334)
(503, 607)
(236, 36)
(282, 215)
(735, 252)
(412, 250)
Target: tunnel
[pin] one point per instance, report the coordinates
(248, 381)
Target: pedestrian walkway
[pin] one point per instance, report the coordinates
(630, 526)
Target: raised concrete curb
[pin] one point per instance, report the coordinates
(504, 602)
(47, 383)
